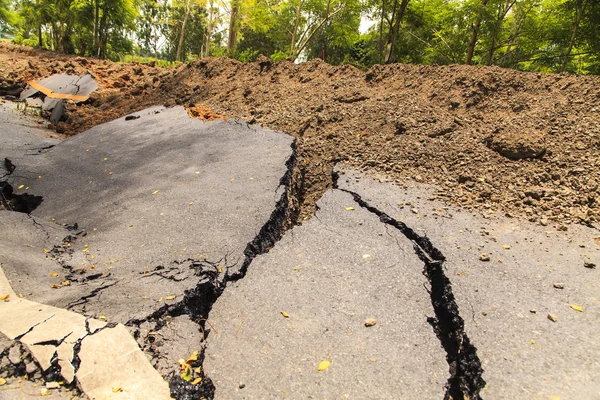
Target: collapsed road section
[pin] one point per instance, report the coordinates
(147, 219)
(142, 217)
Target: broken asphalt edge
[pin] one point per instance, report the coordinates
(120, 371)
(465, 380)
(198, 301)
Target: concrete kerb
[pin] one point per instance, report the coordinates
(104, 359)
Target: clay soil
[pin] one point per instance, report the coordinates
(488, 139)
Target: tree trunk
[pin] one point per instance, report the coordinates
(40, 40)
(233, 27)
(296, 26)
(573, 36)
(393, 35)
(502, 12)
(474, 34)
(208, 34)
(96, 19)
(381, 32)
(182, 33)
(490, 56)
(102, 36)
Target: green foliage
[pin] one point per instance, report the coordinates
(529, 35)
(279, 56)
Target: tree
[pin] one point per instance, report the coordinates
(579, 5)
(395, 21)
(475, 32)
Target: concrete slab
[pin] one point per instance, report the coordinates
(111, 364)
(328, 275)
(153, 195)
(129, 372)
(523, 353)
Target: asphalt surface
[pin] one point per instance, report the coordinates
(330, 274)
(23, 140)
(523, 353)
(135, 213)
(151, 195)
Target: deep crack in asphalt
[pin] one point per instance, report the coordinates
(465, 381)
(198, 301)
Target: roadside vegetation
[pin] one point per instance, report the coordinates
(529, 35)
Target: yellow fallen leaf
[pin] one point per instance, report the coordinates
(197, 172)
(323, 365)
(102, 317)
(232, 179)
(577, 308)
(155, 192)
(46, 250)
(532, 341)
(349, 208)
(2, 381)
(117, 389)
(53, 274)
(365, 256)
(105, 159)
(170, 297)
(44, 392)
(55, 286)
(286, 315)
(21, 187)
(506, 247)
(67, 283)
(193, 357)
(220, 269)
(197, 381)
(4, 297)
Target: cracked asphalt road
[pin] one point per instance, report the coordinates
(152, 221)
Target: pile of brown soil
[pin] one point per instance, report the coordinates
(490, 139)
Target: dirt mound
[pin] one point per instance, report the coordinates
(489, 138)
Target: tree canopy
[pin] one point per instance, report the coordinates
(529, 35)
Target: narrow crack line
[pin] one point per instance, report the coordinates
(53, 342)
(465, 369)
(85, 299)
(76, 360)
(39, 226)
(19, 337)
